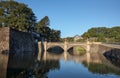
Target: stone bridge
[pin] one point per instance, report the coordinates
(66, 46)
(100, 47)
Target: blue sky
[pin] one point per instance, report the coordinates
(74, 17)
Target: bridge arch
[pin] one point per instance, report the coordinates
(72, 46)
(55, 46)
(66, 46)
(83, 45)
(55, 49)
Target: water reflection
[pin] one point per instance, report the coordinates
(20, 65)
(45, 67)
(91, 65)
(75, 66)
(100, 68)
(3, 65)
(41, 71)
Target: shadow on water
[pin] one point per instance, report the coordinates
(43, 68)
(25, 65)
(20, 66)
(46, 66)
(113, 56)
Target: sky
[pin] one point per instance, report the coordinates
(74, 17)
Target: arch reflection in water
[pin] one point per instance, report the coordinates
(93, 64)
(94, 61)
(75, 66)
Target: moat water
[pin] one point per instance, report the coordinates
(90, 65)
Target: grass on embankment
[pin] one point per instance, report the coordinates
(80, 50)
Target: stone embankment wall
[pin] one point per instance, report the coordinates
(4, 47)
(19, 46)
(21, 43)
(22, 49)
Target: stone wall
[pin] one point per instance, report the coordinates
(21, 42)
(4, 41)
(19, 47)
(22, 49)
(4, 51)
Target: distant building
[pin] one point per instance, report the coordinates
(77, 37)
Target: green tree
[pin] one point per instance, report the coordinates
(42, 24)
(101, 38)
(55, 35)
(104, 34)
(43, 28)
(70, 39)
(16, 15)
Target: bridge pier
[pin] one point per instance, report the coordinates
(39, 51)
(65, 50)
(88, 58)
(88, 46)
(42, 50)
(45, 50)
(65, 46)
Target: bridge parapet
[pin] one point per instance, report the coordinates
(95, 42)
(55, 43)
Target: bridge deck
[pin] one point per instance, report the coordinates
(62, 44)
(111, 45)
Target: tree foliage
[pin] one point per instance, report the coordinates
(16, 15)
(43, 28)
(103, 34)
(69, 39)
